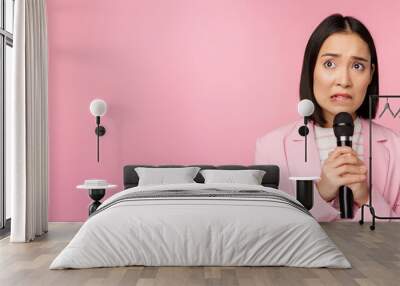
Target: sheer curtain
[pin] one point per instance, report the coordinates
(26, 123)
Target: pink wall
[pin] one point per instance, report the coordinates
(185, 81)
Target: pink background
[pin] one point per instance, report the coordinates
(185, 81)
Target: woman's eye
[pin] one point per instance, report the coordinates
(329, 64)
(359, 66)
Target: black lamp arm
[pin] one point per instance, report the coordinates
(100, 131)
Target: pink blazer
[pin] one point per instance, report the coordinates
(285, 147)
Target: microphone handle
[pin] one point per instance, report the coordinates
(346, 199)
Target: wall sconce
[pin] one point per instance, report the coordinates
(98, 107)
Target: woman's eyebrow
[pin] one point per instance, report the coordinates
(337, 56)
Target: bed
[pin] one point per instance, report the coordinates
(201, 224)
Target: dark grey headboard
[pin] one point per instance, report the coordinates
(271, 177)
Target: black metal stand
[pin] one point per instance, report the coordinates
(369, 205)
(100, 131)
(303, 131)
(304, 193)
(96, 195)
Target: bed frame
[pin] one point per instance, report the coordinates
(270, 179)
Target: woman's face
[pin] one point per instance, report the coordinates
(342, 74)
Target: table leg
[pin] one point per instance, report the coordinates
(96, 195)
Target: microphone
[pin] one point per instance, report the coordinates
(343, 128)
(305, 108)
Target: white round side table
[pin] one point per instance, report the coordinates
(96, 193)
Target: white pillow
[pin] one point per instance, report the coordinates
(164, 176)
(249, 177)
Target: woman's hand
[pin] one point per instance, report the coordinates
(360, 192)
(343, 168)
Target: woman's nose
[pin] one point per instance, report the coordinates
(343, 78)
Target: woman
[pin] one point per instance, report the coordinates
(340, 68)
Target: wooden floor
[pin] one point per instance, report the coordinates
(374, 255)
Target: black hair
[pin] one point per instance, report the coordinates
(330, 25)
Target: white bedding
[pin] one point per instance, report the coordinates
(200, 231)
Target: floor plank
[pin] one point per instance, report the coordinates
(374, 255)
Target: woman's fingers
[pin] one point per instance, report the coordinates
(351, 179)
(340, 151)
(343, 155)
(343, 159)
(350, 169)
(343, 167)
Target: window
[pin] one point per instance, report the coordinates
(6, 60)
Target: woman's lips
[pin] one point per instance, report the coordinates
(341, 97)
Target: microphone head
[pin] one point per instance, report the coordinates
(305, 107)
(343, 125)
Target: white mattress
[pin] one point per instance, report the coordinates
(200, 231)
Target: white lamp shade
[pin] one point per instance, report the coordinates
(305, 107)
(98, 107)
